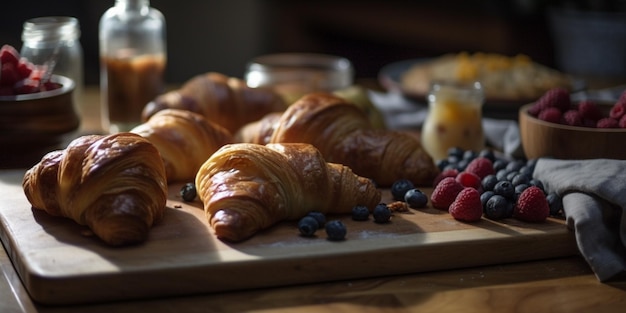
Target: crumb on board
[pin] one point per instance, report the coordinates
(398, 206)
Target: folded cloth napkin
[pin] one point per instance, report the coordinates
(402, 113)
(594, 200)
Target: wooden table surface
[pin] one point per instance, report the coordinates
(554, 285)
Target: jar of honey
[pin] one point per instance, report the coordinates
(454, 118)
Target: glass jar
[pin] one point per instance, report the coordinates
(294, 74)
(55, 39)
(454, 118)
(132, 62)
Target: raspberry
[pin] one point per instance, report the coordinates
(446, 173)
(572, 118)
(8, 74)
(589, 110)
(532, 205)
(468, 179)
(622, 122)
(607, 122)
(554, 98)
(481, 166)
(618, 109)
(552, 115)
(8, 54)
(467, 206)
(24, 68)
(444, 194)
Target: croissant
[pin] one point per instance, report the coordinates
(343, 134)
(113, 184)
(184, 139)
(248, 187)
(224, 100)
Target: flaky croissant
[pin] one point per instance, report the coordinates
(224, 100)
(184, 139)
(113, 184)
(343, 134)
(248, 187)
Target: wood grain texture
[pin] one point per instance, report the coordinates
(59, 263)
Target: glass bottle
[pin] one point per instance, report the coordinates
(454, 118)
(55, 39)
(132, 62)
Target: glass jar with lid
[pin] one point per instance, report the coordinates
(132, 61)
(55, 41)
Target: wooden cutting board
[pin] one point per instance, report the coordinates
(59, 262)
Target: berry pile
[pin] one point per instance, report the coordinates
(18, 76)
(556, 106)
(472, 185)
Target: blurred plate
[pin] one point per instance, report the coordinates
(390, 78)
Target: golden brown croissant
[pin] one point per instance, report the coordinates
(249, 187)
(224, 100)
(184, 139)
(113, 184)
(343, 134)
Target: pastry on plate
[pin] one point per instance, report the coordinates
(503, 77)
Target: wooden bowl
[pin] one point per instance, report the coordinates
(33, 124)
(545, 139)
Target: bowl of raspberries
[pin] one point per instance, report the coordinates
(36, 109)
(557, 126)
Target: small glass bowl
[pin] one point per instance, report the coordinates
(295, 74)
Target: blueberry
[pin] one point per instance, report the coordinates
(382, 214)
(456, 152)
(498, 207)
(188, 192)
(453, 160)
(442, 164)
(515, 165)
(555, 203)
(469, 155)
(336, 230)
(511, 175)
(485, 196)
(307, 226)
(319, 217)
(360, 213)
(499, 164)
(519, 189)
(505, 189)
(537, 183)
(416, 199)
(489, 182)
(487, 153)
(526, 170)
(462, 164)
(501, 174)
(520, 179)
(400, 187)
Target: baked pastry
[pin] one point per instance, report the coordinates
(343, 134)
(185, 140)
(113, 184)
(502, 77)
(224, 100)
(249, 187)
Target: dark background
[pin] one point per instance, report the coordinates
(222, 35)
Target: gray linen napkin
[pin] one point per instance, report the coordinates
(593, 200)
